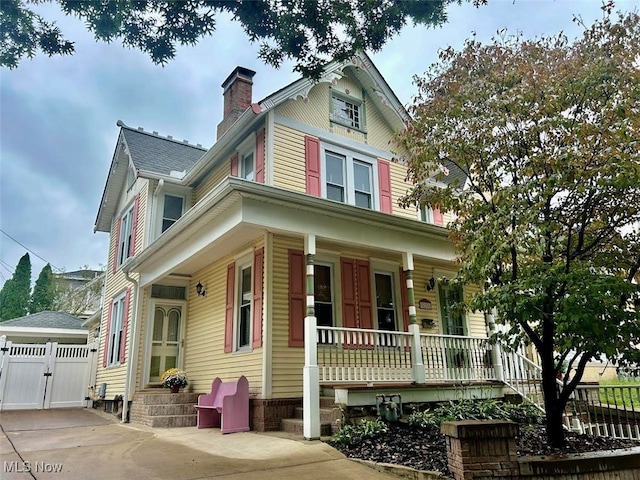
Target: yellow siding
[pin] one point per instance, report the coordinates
(204, 357)
(314, 111)
(289, 159)
(477, 325)
(146, 294)
(421, 275)
(399, 188)
(379, 134)
(287, 362)
(116, 284)
(219, 173)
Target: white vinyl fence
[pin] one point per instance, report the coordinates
(43, 376)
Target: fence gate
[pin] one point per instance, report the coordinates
(43, 376)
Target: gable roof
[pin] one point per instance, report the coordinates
(153, 153)
(147, 152)
(155, 156)
(455, 175)
(46, 319)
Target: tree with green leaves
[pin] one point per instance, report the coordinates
(43, 292)
(548, 219)
(310, 32)
(14, 296)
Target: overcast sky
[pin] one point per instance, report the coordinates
(58, 115)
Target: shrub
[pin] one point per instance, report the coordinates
(350, 434)
(523, 414)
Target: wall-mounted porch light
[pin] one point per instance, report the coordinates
(200, 290)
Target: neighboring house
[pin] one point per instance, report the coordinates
(211, 250)
(80, 292)
(45, 327)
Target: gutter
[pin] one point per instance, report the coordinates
(249, 189)
(133, 345)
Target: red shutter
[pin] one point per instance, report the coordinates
(105, 354)
(256, 307)
(405, 299)
(365, 311)
(437, 217)
(234, 165)
(384, 183)
(229, 306)
(297, 298)
(134, 229)
(349, 298)
(125, 326)
(260, 156)
(312, 162)
(117, 241)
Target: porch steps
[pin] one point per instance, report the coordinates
(164, 410)
(329, 416)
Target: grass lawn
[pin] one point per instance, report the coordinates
(614, 392)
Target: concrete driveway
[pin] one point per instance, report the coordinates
(83, 443)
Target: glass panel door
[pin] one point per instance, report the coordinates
(165, 340)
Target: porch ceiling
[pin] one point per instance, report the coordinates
(237, 212)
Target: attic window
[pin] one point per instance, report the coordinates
(347, 111)
(131, 177)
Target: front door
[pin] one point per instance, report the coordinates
(165, 340)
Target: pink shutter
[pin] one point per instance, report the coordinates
(438, 219)
(134, 229)
(260, 156)
(405, 299)
(297, 298)
(125, 326)
(365, 310)
(234, 165)
(117, 242)
(229, 306)
(312, 163)
(256, 307)
(384, 184)
(105, 353)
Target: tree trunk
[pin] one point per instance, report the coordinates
(554, 409)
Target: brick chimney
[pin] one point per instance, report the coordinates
(237, 96)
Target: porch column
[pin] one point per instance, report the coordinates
(414, 328)
(310, 375)
(496, 351)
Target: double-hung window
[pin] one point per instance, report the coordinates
(115, 332)
(125, 242)
(349, 177)
(172, 210)
(243, 325)
(385, 305)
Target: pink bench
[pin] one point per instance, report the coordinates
(227, 406)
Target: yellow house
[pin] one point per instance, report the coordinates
(217, 256)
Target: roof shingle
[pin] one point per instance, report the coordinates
(46, 319)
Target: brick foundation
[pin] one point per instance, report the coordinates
(266, 414)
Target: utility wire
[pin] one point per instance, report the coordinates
(30, 251)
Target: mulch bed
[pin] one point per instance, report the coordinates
(426, 450)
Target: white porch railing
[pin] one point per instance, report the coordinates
(457, 358)
(356, 355)
(524, 377)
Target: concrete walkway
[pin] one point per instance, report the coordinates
(83, 443)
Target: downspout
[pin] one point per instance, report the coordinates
(132, 347)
